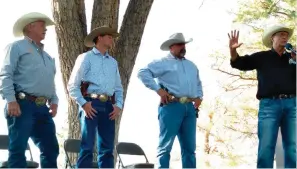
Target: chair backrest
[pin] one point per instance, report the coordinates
(4, 144)
(126, 148)
(129, 149)
(72, 145)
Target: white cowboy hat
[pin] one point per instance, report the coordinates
(24, 20)
(266, 39)
(103, 30)
(174, 39)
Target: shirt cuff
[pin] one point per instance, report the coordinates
(10, 98)
(156, 87)
(81, 101)
(119, 105)
(54, 101)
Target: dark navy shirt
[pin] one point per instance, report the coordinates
(274, 72)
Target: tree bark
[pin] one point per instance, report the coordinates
(105, 12)
(71, 30)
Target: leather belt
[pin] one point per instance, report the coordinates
(283, 96)
(180, 99)
(101, 97)
(39, 101)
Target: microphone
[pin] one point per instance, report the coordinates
(289, 48)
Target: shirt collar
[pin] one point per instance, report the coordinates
(174, 57)
(31, 41)
(97, 52)
(273, 50)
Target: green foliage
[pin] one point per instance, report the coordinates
(256, 13)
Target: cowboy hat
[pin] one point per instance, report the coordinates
(104, 30)
(266, 39)
(174, 39)
(28, 18)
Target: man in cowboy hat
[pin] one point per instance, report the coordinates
(27, 85)
(97, 111)
(179, 85)
(276, 92)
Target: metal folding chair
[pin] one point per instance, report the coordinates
(73, 146)
(4, 145)
(125, 148)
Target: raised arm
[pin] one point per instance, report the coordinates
(248, 62)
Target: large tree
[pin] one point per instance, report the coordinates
(71, 29)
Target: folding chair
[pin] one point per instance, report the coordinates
(73, 146)
(4, 144)
(125, 148)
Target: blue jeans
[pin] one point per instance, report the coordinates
(35, 122)
(176, 119)
(102, 127)
(275, 113)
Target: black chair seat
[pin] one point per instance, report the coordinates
(141, 165)
(30, 164)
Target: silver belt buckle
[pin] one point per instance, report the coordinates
(40, 101)
(103, 97)
(94, 96)
(21, 95)
(183, 100)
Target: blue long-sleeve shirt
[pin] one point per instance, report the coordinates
(101, 71)
(179, 76)
(28, 68)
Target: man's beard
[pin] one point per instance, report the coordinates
(182, 52)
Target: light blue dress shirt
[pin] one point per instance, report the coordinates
(179, 76)
(28, 68)
(101, 71)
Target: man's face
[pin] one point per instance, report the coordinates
(178, 49)
(106, 41)
(280, 39)
(38, 29)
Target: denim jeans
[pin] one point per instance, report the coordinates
(176, 119)
(275, 113)
(102, 127)
(35, 122)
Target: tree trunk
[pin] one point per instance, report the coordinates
(105, 12)
(71, 29)
(127, 46)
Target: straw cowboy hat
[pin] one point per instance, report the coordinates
(28, 18)
(103, 30)
(174, 39)
(272, 30)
